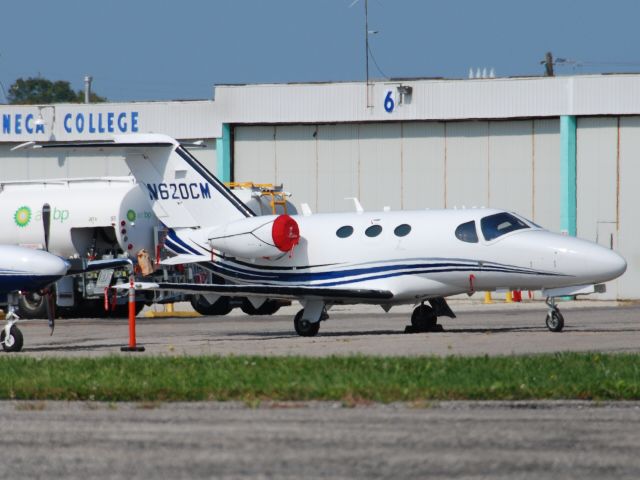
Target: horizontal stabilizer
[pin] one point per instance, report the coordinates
(185, 258)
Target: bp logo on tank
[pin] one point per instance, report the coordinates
(22, 217)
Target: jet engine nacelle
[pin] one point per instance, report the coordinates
(256, 237)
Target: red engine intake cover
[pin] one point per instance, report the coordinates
(285, 233)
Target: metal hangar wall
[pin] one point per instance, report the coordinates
(562, 151)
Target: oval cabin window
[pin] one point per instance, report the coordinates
(344, 232)
(373, 231)
(402, 230)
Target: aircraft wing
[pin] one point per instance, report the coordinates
(271, 291)
(96, 265)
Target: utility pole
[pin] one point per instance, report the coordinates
(548, 64)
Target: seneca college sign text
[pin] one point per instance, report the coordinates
(47, 120)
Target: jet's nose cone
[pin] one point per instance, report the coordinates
(604, 263)
(613, 264)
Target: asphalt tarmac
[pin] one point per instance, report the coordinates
(497, 329)
(462, 440)
(510, 440)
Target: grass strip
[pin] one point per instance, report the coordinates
(356, 378)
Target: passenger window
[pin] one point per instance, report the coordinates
(402, 230)
(498, 224)
(344, 232)
(373, 231)
(467, 232)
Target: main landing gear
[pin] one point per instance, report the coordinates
(554, 320)
(307, 321)
(11, 336)
(425, 318)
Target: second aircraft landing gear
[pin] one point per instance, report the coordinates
(554, 320)
(11, 336)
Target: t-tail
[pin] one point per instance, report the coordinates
(182, 192)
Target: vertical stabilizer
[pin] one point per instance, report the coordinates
(182, 192)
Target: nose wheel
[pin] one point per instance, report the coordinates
(554, 320)
(13, 340)
(11, 336)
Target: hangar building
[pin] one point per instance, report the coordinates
(562, 151)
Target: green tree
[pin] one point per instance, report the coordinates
(39, 90)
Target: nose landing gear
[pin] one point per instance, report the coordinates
(554, 320)
(11, 336)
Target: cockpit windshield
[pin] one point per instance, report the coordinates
(498, 224)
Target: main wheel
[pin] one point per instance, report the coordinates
(14, 342)
(221, 306)
(32, 305)
(423, 318)
(267, 308)
(555, 321)
(305, 328)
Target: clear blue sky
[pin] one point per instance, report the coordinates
(157, 50)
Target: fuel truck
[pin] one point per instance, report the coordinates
(110, 217)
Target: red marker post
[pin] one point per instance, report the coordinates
(132, 347)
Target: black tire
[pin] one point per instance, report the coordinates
(222, 306)
(15, 339)
(305, 328)
(423, 318)
(555, 321)
(32, 305)
(267, 308)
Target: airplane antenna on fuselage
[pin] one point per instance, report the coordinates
(356, 203)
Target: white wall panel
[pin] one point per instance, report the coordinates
(511, 166)
(254, 152)
(629, 233)
(380, 177)
(296, 163)
(207, 155)
(423, 179)
(337, 167)
(466, 164)
(37, 165)
(597, 180)
(546, 173)
(596, 155)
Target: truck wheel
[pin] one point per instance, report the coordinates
(122, 311)
(267, 308)
(32, 305)
(221, 306)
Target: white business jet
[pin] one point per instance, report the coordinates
(382, 258)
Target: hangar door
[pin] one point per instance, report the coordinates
(409, 165)
(596, 182)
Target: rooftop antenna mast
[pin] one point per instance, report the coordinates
(366, 44)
